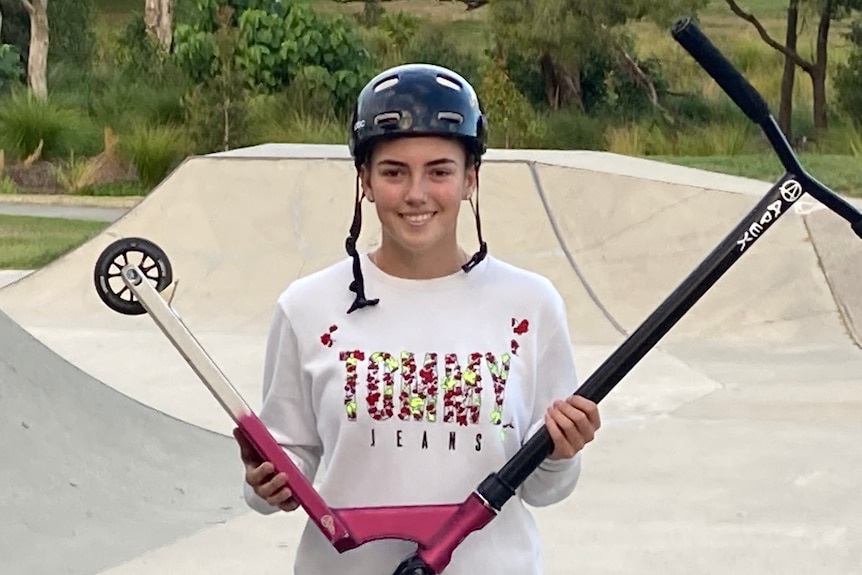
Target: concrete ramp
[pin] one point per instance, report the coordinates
(637, 239)
(91, 479)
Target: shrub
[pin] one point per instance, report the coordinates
(572, 130)
(153, 151)
(7, 186)
(512, 122)
(26, 121)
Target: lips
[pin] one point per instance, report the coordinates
(417, 219)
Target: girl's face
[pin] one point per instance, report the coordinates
(417, 185)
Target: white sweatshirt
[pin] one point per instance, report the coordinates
(416, 400)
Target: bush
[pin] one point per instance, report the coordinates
(572, 130)
(7, 186)
(275, 40)
(153, 151)
(512, 122)
(25, 121)
(295, 115)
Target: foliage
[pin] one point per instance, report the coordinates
(11, 70)
(400, 27)
(275, 42)
(434, 43)
(511, 120)
(72, 38)
(848, 78)
(566, 37)
(138, 57)
(216, 107)
(7, 186)
(16, 27)
(371, 13)
(26, 121)
(153, 151)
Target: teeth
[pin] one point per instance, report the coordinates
(417, 219)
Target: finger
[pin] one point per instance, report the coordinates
(275, 490)
(281, 498)
(556, 425)
(555, 433)
(247, 451)
(571, 434)
(582, 425)
(289, 505)
(590, 408)
(260, 474)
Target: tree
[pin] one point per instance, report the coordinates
(562, 36)
(788, 75)
(828, 11)
(158, 19)
(848, 77)
(37, 61)
(275, 42)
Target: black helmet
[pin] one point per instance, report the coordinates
(413, 100)
(417, 99)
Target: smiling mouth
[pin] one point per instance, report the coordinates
(417, 219)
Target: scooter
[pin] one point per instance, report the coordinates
(437, 530)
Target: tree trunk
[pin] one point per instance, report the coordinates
(552, 89)
(1, 24)
(818, 71)
(158, 19)
(638, 76)
(570, 81)
(562, 84)
(788, 77)
(37, 62)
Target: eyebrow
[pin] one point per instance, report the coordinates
(437, 162)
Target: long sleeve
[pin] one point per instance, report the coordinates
(287, 405)
(556, 378)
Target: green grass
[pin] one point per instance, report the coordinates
(31, 242)
(839, 172)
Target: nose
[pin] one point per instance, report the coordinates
(417, 191)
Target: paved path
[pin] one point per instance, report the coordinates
(94, 213)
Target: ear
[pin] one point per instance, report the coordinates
(471, 179)
(365, 181)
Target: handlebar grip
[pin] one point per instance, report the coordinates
(690, 37)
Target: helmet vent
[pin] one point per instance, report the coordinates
(453, 117)
(386, 83)
(449, 82)
(387, 118)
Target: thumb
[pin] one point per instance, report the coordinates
(247, 451)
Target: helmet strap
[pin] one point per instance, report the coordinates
(358, 284)
(483, 246)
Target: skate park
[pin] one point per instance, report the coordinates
(733, 445)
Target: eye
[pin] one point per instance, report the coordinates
(440, 172)
(390, 172)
